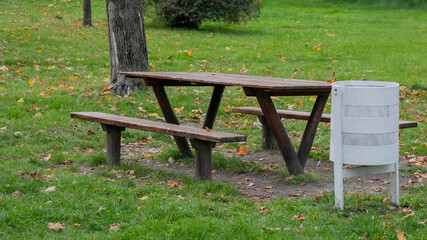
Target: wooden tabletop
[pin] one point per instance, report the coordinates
(254, 82)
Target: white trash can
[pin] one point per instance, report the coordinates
(364, 132)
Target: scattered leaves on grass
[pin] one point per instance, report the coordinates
(417, 161)
(56, 226)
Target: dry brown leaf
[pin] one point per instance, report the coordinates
(318, 198)
(408, 216)
(269, 187)
(263, 210)
(56, 226)
(378, 189)
(242, 151)
(400, 235)
(171, 160)
(299, 217)
(386, 198)
(174, 184)
(77, 225)
(143, 198)
(423, 222)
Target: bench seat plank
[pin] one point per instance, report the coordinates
(159, 127)
(305, 115)
(202, 140)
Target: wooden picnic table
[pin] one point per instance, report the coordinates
(263, 88)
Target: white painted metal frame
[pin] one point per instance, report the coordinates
(369, 159)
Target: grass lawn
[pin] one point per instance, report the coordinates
(52, 168)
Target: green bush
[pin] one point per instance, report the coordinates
(191, 13)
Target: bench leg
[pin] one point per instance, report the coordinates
(203, 159)
(113, 143)
(267, 136)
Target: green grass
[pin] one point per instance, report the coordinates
(56, 66)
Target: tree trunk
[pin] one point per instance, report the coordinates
(128, 49)
(87, 13)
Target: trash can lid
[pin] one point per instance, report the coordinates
(364, 84)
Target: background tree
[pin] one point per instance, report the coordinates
(87, 13)
(128, 49)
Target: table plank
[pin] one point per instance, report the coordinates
(257, 82)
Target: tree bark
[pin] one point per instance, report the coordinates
(87, 13)
(128, 49)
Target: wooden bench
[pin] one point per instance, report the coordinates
(202, 139)
(267, 137)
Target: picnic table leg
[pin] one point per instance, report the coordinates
(113, 143)
(279, 133)
(213, 106)
(311, 128)
(203, 159)
(170, 117)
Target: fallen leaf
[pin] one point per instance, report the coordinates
(299, 217)
(400, 235)
(174, 184)
(143, 198)
(263, 210)
(115, 227)
(318, 198)
(269, 187)
(56, 226)
(386, 198)
(180, 197)
(17, 193)
(242, 151)
(408, 216)
(423, 222)
(50, 189)
(20, 100)
(378, 189)
(101, 208)
(171, 160)
(77, 225)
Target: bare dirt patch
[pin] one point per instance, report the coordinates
(270, 184)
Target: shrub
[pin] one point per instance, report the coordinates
(191, 13)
